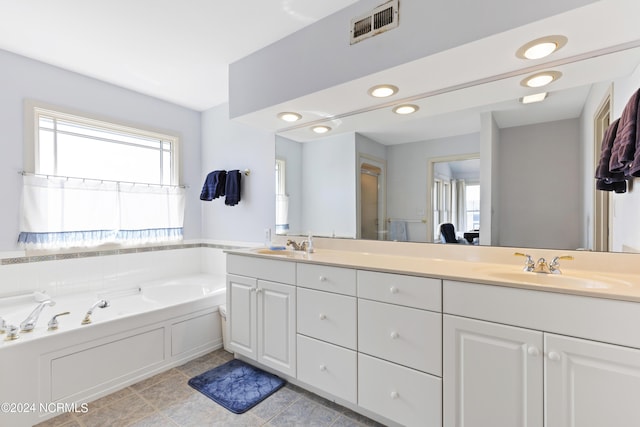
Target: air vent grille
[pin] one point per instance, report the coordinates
(380, 19)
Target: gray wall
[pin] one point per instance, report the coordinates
(407, 177)
(324, 58)
(230, 145)
(540, 186)
(22, 78)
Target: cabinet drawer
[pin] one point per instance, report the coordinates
(330, 279)
(404, 395)
(328, 367)
(329, 317)
(267, 269)
(403, 335)
(418, 292)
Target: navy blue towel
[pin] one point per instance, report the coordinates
(214, 186)
(232, 190)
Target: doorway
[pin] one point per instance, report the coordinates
(371, 205)
(602, 199)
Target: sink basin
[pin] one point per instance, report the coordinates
(560, 280)
(287, 253)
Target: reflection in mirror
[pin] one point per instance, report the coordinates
(537, 164)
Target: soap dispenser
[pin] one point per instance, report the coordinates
(310, 249)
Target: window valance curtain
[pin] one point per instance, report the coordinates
(68, 212)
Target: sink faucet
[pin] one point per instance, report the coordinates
(30, 322)
(541, 266)
(302, 246)
(103, 303)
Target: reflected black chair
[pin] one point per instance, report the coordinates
(448, 233)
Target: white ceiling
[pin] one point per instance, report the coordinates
(178, 51)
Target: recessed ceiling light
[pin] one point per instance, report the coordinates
(406, 109)
(321, 129)
(383, 91)
(541, 79)
(539, 48)
(289, 117)
(529, 99)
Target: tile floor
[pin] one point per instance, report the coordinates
(166, 400)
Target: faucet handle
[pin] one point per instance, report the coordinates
(13, 333)
(3, 325)
(530, 264)
(53, 323)
(554, 266)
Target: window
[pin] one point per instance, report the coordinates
(472, 206)
(282, 200)
(73, 146)
(91, 182)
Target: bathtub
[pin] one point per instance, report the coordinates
(146, 329)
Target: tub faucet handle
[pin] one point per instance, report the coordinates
(13, 333)
(53, 323)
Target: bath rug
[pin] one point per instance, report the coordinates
(237, 385)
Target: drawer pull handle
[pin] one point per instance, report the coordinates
(533, 351)
(322, 316)
(395, 335)
(323, 368)
(322, 279)
(554, 356)
(393, 290)
(394, 395)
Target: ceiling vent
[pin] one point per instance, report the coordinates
(379, 20)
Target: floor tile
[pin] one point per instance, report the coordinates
(305, 412)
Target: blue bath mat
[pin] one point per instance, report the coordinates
(237, 385)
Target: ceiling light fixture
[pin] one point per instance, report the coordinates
(321, 129)
(537, 97)
(541, 79)
(289, 117)
(383, 91)
(542, 47)
(406, 109)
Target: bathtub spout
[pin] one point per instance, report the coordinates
(30, 322)
(103, 303)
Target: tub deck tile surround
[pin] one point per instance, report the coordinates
(165, 400)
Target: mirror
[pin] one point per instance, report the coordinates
(536, 163)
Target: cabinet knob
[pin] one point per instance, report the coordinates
(393, 290)
(554, 355)
(323, 368)
(253, 290)
(395, 335)
(533, 351)
(322, 316)
(322, 279)
(394, 395)
(258, 291)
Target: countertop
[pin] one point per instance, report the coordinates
(608, 285)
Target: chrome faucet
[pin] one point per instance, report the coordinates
(302, 246)
(103, 303)
(30, 322)
(541, 266)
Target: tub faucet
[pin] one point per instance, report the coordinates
(30, 322)
(103, 303)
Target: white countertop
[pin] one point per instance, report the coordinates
(604, 284)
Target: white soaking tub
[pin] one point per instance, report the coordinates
(146, 329)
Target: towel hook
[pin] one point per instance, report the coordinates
(247, 172)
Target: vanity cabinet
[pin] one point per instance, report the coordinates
(524, 375)
(399, 347)
(262, 321)
(327, 329)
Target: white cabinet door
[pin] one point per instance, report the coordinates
(241, 309)
(492, 375)
(591, 384)
(277, 326)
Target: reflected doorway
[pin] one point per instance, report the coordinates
(371, 199)
(602, 199)
(454, 196)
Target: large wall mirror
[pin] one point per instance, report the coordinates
(502, 172)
